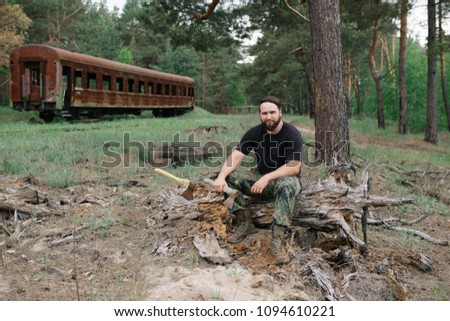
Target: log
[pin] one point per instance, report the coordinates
(330, 206)
(28, 195)
(39, 211)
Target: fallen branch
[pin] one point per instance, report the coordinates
(418, 233)
(347, 279)
(385, 221)
(65, 240)
(324, 281)
(38, 210)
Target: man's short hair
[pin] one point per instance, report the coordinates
(273, 100)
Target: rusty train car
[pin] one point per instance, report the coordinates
(55, 81)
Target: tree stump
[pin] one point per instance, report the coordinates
(330, 205)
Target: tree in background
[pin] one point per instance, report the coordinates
(403, 119)
(105, 42)
(148, 31)
(13, 25)
(331, 111)
(125, 56)
(355, 32)
(380, 22)
(431, 123)
(281, 67)
(143, 32)
(442, 48)
(54, 22)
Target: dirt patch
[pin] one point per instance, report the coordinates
(100, 242)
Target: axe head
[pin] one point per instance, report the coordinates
(230, 200)
(189, 192)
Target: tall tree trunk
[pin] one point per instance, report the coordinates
(332, 136)
(403, 118)
(376, 76)
(431, 125)
(203, 80)
(348, 83)
(391, 68)
(357, 90)
(442, 60)
(304, 63)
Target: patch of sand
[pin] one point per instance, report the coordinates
(230, 283)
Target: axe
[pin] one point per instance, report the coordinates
(231, 192)
(189, 191)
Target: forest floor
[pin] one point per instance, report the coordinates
(105, 242)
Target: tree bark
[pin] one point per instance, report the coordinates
(431, 125)
(332, 136)
(348, 83)
(209, 11)
(376, 76)
(442, 60)
(357, 90)
(403, 118)
(304, 63)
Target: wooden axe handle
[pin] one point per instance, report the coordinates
(226, 189)
(172, 177)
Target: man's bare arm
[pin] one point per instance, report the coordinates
(228, 167)
(289, 169)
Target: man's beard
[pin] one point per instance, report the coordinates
(273, 126)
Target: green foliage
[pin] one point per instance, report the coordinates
(218, 86)
(185, 30)
(137, 34)
(105, 42)
(183, 61)
(277, 69)
(125, 56)
(165, 35)
(102, 218)
(54, 22)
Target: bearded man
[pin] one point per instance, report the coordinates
(278, 147)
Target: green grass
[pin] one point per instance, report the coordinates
(63, 154)
(8, 115)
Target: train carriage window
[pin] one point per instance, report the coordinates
(141, 88)
(159, 89)
(150, 88)
(92, 80)
(35, 74)
(174, 90)
(167, 89)
(78, 78)
(119, 84)
(130, 85)
(106, 82)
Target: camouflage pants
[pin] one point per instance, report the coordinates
(283, 189)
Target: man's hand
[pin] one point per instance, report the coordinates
(260, 185)
(219, 184)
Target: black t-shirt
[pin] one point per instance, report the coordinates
(272, 151)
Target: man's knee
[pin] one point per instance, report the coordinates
(240, 183)
(288, 185)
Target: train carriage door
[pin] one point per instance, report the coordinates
(67, 86)
(32, 81)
